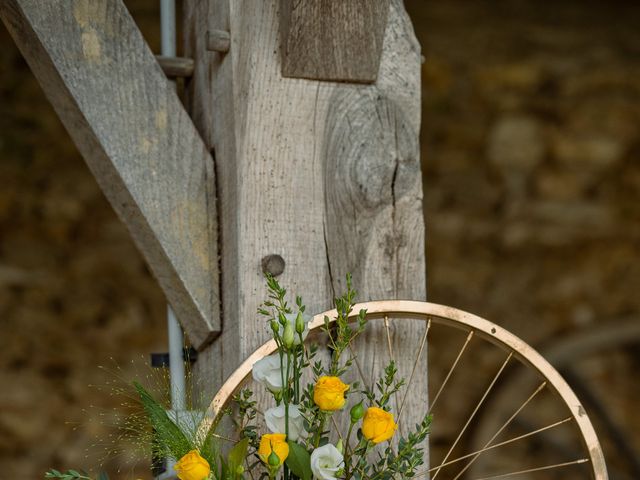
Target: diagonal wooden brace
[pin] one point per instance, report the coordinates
(127, 121)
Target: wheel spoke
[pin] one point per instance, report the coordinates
(536, 469)
(392, 357)
(501, 429)
(501, 444)
(453, 367)
(335, 425)
(413, 370)
(359, 368)
(475, 410)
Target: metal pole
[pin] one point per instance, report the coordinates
(176, 363)
(168, 27)
(176, 336)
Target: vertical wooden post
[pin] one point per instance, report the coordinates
(324, 174)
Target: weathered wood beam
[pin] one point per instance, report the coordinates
(324, 175)
(127, 121)
(334, 40)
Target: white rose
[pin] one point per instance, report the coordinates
(291, 317)
(267, 372)
(325, 462)
(275, 419)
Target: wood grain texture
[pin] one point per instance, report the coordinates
(333, 40)
(139, 142)
(374, 226)
(327, 175)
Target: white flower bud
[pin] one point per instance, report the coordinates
(275, 420)
(267, 372)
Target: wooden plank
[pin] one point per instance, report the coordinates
(332, 39)
(139, 142)
(325, 175)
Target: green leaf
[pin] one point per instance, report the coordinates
(103, 476)
(238, 453)
(169, 434)
(224, 469)
(210, 448)
(299, 461)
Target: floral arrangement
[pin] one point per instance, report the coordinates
(309, 403)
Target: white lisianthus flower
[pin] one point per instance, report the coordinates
(275, 419)
(267, 372)
(326, 461)
(291, 317)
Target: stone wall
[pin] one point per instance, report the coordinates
(75, 294)
(531, 155)
(531, 146)
(531, 152)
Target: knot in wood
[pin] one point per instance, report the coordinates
(273, 264)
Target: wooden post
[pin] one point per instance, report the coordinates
(313, 178)
(324, 174)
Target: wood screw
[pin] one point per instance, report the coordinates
(273, 264)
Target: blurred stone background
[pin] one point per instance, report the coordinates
(531, 157)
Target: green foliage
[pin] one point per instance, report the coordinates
(299, 461)
(169, 439)
(233, 468)
(409, 456)
(276, 295)
(69, 475)
(385, 386)
(342, 334)
(245, 420)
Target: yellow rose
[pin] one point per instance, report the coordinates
(328, 393)
(378, 425)
(273, 442)
(192, 467)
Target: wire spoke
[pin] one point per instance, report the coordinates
(413, 370)
(392, 357)
(335, 425)
(501, 444)
(501, 429)
(473, 414)
(359, 368)
(453, 367)
(536, 469)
